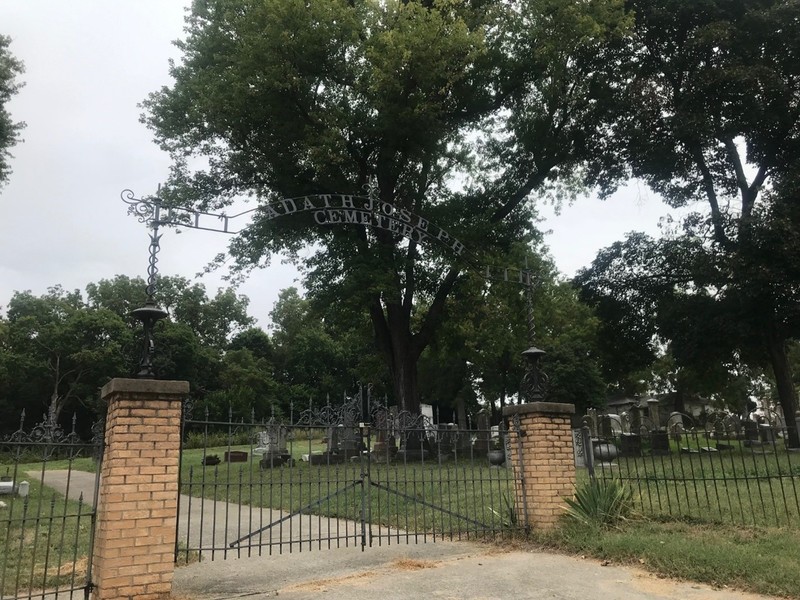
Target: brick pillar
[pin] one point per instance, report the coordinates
(545, 468)
(138, 499)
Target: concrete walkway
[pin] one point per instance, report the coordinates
(441, 570)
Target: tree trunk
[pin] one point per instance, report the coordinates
(54, 409)
(403, 369)
(787, 396)
(679, 404)
(394, 338)
(461, 411)
(56, 400)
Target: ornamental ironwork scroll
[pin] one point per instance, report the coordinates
(49, 438)
(326, 209)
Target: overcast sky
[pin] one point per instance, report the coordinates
(88, 64)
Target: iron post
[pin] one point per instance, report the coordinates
(533, 387)
(148, 211)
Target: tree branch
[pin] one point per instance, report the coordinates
(381, 327)
(423, 337)
(755, 187)
(408, 297)
(711, 195)
(526, 188)
(733, 154)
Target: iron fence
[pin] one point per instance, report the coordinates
(726, 472)
(47, 511)
(329, 478)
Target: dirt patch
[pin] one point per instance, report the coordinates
(79, 567)
(67, 569)
(412, 564)
(400, 564)
(320, 585)
(669, 588)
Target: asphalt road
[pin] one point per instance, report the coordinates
(441, 571)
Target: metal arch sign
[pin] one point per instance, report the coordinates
(345, 209)
(326, 209)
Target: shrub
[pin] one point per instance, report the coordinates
(601, 502)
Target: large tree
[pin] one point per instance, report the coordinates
(710, 117)
(458, 110)
(10, 69)
(58, 352)
(58, 349)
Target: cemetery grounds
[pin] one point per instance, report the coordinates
(725, 518)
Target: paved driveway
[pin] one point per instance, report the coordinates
(441, 571)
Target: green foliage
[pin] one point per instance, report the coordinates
(602, 502)
(10, 69)
(458, 110)
(708, 119)
(58, 352)
(311, 362)
(478, 351)
(759, 560)
(507, 513)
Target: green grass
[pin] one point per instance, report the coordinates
(44, 541)
(738, 486)
(686, 528)
(761, 560)
(75, 464)
(469, 488)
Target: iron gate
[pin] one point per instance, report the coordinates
(357, 475)
(49, 483)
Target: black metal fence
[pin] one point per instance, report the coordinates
(726, 472)
(329, 477)
(47, 514)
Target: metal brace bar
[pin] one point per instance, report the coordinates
(430, 505)
(299, 511)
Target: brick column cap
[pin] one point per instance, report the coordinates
(161, 388)
(557, 408)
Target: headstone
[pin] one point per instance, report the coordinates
(462, 443)
(482, 434)
(766, 433)
(635, 419)
(659, 443)
(577, 447)
(676, 430)
(332, 438)
(653, 411)
(272, 446)
(426, 410)
(349, 442)
(234, 456)
(446, 440)
(384, 448)
(591, 422)
(630, 444)
(751, 437)
(606, 427)
(23, 489)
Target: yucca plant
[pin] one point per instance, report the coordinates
(508, 516)
(600, 502)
